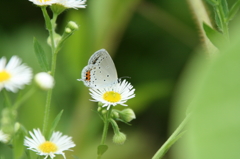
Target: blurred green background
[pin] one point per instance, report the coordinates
(149, 41)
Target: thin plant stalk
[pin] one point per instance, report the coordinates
(106, 125)
(6, 97)
(172, 139)
(49, 96)
(24, 98)
(50, 25)
(105, 128)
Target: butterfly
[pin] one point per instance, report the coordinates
(100, 71)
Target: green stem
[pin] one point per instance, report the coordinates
(52, 32)
(6, 97)
(50, 25)
(49, 97)
(171, 140)
(24, 98)
(200, 12)
(46, 18)
(106, 125)
(114, 126)
(47, 111)
(105, 129)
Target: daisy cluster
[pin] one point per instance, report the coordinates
(14, 75)
(65, 3)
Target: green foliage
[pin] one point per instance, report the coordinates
(212, 2)
(46, 18)
(41, 56)
(233, 11)
(55, 123)
(143, 51)
(214, 36)
(224, 6)
(18, 143)
(218, 20)
(215, 124)
(102, 149)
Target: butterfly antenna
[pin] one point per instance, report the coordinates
(123, 77)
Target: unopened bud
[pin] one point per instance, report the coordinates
(119, 138)
(56, 39)
(115, 114)
(104, 111)
(17, 126)
(72, 25)
(127, 115)
(68, 30)
(99, 109)
(44, 80)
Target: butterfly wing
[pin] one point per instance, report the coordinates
(100, 71)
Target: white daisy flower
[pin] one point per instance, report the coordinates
(116, 94)
(43, 2)
(72, 3)
(56, 145)
(44, 80)
(14, 75)
(3, 137)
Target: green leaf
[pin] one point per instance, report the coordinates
(55, 122)
(225, 8)
(214, 36)
(217, 20)
(213, 132)
(41, 56)
(212, 2)
(102, 149)
(18, 144)
(233, 11)
(46, 18)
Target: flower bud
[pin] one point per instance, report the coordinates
(104, 111)
(44, 80)
(68, 30)
(56, 38)
(119, 138)
(115, 114)
(7, 120)
(72, 25)
(17, 126)
(99, 109)
(127, 115)
(100, 104)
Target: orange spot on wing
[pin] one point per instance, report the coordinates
(88, 75)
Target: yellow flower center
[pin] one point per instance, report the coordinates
(4, 76)
(112, 97)
(48, 147)
(42, 1)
